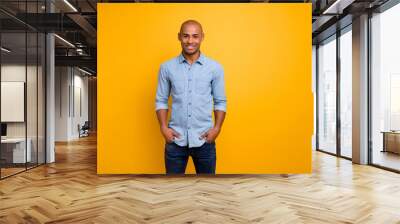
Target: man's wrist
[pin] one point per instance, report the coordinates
(217, 128)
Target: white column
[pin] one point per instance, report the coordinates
(360, 90)
(50, 92)
(50, 100)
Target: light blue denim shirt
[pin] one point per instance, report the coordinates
(196, 91)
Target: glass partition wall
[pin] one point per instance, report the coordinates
(334, 93)
(13, 90)
(326, 54)
(385, 89)
(334, 87)
(22, 88)
(345, 62)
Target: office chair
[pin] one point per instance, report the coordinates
(84, 130)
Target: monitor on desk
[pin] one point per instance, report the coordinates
(3, 130)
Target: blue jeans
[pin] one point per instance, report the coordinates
(176, 158)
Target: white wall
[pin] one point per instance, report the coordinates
(71, 93)
(80, 84)
(14, 72)
(61, 103)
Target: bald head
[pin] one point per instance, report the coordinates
(191, 22)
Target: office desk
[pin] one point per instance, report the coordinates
(13, 150)
(391, 141)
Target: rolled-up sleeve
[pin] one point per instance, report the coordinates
(218, 89)
(163, 89)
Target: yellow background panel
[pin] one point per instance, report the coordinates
(265, 50)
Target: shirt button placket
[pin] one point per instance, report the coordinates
(189, 111)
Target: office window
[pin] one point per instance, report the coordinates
(327, 95)
(385, 88)
(346, 93)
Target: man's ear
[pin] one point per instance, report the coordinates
(179, 36)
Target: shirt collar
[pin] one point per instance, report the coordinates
(200, 60)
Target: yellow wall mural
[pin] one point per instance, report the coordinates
(265, 50)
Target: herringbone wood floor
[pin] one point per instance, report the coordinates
(69, 191)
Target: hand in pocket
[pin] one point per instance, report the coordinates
(169, 134)
(210, 135)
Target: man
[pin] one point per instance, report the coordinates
(196, 85)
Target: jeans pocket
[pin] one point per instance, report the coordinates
(170, 146)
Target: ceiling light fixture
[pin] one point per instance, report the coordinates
(337, 7)
(84, 71)
(5, 50)
(64, 40)
(70, 5)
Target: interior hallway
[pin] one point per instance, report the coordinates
(70, 191)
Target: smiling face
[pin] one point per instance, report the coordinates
(191, 35)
